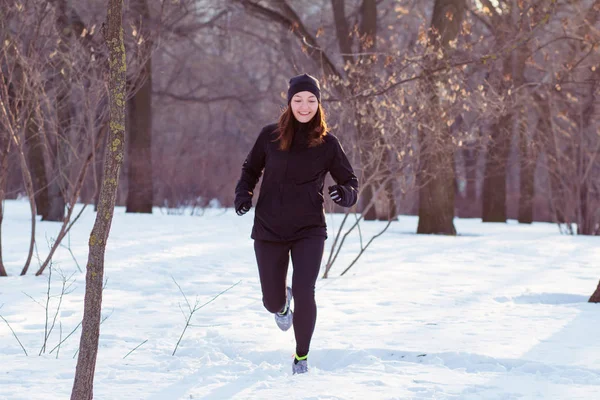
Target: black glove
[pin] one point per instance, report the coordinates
(243, 208)
(336, 194)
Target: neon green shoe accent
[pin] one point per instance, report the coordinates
(285, 309)
(300, 358)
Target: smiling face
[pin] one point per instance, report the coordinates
(304, 106)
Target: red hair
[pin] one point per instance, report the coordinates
(287, 125)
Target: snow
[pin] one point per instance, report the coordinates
(498, 312)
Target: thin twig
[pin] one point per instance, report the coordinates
(62, 341)
(46, 310)
(105, 318)
(71, 252)
(194, 309)
(187, 324)
(356, 224)
(184, 296)
(37, 302)
(360, 236)
(135, 348)
(14, 334)
(362, 250)
(59, 338)
(214, 298)
(337, 236)
(62, 293)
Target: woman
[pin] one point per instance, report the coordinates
(295, 154)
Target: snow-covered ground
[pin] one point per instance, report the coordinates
(498, 312)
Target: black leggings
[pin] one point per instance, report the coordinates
(273, 259)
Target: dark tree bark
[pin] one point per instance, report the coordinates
(66, 25)
(527, 175)
(71, 30)
(528, 156)
(494, 181)
(493, 208)
(35, 159)
(342, 30)
(470, 207)
(392, 210)
(88, 346)
(588, 219)
(368, 40)
(30, 193)
(58, 186)
(436, 154)
(139, 146)
(596, 296)
(15, 100)
(513, 67)
(436, 186)
(4, 151)
(367, 43)
(556, 199)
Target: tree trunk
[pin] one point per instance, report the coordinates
(36, 162)
(67, 26)
(139, 146)
(586, 220)
(88, 346)
(585, 223)
(436, 185)
(494, 180)
(391, 211)
(470, 209)
(342, 30)
(58, 186)
(366, 206)
(14, 91)
(4, 152)
(366, 135)
(556, 199)
(527, 175)
(368, 39)
(587, 215)
(56, 212)
(30, 193)
(596, 296)
(436, 169)
(527, 152)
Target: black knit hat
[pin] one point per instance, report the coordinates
(303, 83)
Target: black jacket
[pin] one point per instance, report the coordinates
(290, 204)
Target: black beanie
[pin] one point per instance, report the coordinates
(303, 83)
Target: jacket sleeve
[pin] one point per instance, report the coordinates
(342, 173)
(251, 170)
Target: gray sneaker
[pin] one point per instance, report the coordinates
(285, 321)
(300, 367)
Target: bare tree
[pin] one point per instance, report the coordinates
(436, 171)
(501, 129)
(569, 119)
(16, 105)
(4, 151)
(139, 144)
(5, 144)
(88, 348)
